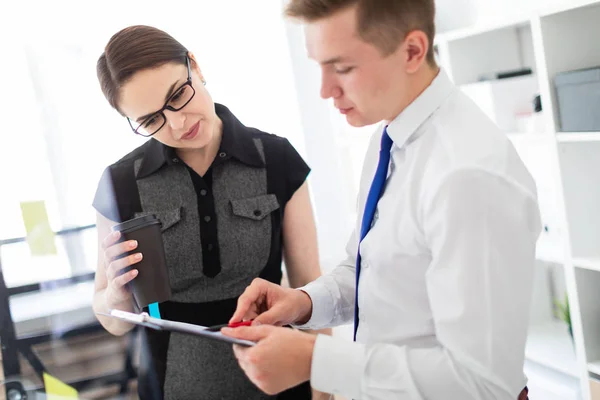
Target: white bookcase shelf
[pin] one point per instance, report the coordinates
(565, 166)
(588, 263)
(594, 367)
(566, 137)
(469, 32)
(551, 346)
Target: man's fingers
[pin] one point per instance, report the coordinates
(239, 352)
(253, 295)
(252, 333)
(244, 304)
(271, 317)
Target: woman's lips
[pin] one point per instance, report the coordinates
(192, 132)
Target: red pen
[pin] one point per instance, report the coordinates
(231, 325)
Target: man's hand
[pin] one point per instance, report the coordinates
(270, 304)
(281, 359)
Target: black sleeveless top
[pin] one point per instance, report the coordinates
(220, 231)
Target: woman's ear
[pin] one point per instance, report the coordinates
(196, 67)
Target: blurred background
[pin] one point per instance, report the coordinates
(59, 133)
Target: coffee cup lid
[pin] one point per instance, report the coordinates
(136, 223)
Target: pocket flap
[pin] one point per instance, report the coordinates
(256, 208)
(168, 218)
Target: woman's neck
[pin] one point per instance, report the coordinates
(201, 159)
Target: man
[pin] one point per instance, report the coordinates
(444, 248)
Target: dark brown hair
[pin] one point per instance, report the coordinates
(131, 50)
(383, 23)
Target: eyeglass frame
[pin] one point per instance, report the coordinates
(188, 82)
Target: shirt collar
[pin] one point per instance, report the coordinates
(423, 107)
(236, 142)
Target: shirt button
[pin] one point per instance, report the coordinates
(207, 218)
(257, 213)
(365, 265)
(176, 160)
(222, 154)
(210, 247)
(203, 192)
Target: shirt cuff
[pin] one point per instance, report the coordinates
(338, 367)
(322, 306)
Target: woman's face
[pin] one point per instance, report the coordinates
(192, 127)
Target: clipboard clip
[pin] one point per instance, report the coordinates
(138, 319)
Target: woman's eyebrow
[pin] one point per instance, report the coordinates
(169, 93)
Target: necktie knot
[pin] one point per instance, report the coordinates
(386, 142)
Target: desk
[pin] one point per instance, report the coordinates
(54, 310)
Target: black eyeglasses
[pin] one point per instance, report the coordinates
(179, 99)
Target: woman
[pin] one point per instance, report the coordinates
(232, 201)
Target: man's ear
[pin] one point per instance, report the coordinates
(416, 47)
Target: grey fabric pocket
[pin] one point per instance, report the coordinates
(168, 218)
(256, 208)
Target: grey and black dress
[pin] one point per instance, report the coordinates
(220, 231)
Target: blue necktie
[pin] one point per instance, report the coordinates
(370, 206)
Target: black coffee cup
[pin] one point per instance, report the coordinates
(151, 285)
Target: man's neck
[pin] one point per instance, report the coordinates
(419, 82)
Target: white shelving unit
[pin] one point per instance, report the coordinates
(550, 345)
(578, 137)
(594, 367)
(566, 168)
(588, 263)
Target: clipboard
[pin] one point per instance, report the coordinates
(143, 319)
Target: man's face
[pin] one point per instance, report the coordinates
(365, 86)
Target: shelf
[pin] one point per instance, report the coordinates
(551, 346)
(45, 303)
(529, 137)
(587, 263)
(594, 367)
(548, 384)
(488, 26)
(558, 9)
(464, 33)
(565, 137)
(549, 258)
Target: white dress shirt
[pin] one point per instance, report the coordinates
(447, 267)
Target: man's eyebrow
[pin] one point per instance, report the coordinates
(169, 93)
(333, 60)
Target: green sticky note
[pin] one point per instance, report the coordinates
(55, 389)
(40, 236)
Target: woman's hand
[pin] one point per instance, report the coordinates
(117, 294)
